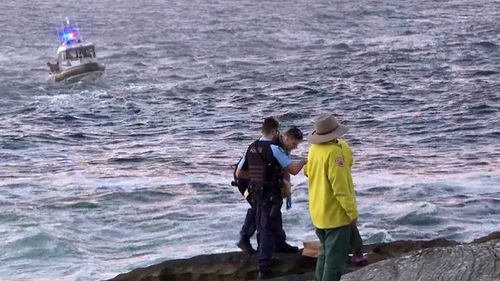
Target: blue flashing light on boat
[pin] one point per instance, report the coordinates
(69, 33)
(68, 36)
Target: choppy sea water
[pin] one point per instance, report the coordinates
(98, 178)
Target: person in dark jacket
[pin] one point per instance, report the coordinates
(263, 165)
(287, 141)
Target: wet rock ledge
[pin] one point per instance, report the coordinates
(434, 260)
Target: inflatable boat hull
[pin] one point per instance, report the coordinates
(92, 69)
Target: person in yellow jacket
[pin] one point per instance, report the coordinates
(332, 201)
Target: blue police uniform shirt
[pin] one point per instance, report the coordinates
(279, 153)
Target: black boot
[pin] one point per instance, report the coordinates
(286, 248)
(245, 246)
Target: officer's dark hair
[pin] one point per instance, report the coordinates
(295, 133)
(269, 125)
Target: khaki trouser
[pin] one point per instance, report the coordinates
(334, 253)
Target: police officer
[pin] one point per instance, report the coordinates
(288, 141)
(265, 162)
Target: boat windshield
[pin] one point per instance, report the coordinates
(77, 53)
(87, 52)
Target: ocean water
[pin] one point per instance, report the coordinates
(101, 177)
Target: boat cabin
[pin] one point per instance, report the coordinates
(76, 53)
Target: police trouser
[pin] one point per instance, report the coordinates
(249, 226)
(269, 227)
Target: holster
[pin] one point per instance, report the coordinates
(257, 191)
(261, 194)
(276, 202)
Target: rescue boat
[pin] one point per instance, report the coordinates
(75, 59)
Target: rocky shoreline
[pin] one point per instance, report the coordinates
(438, 259)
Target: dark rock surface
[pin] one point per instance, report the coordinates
(470, 262)
(427, 259)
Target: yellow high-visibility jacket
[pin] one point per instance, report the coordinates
(332, 201)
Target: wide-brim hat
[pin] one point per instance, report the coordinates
(326, 128)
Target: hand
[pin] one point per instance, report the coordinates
(354, 221)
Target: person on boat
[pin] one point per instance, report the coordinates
(54, 67)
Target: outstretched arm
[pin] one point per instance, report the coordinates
(295, 167)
